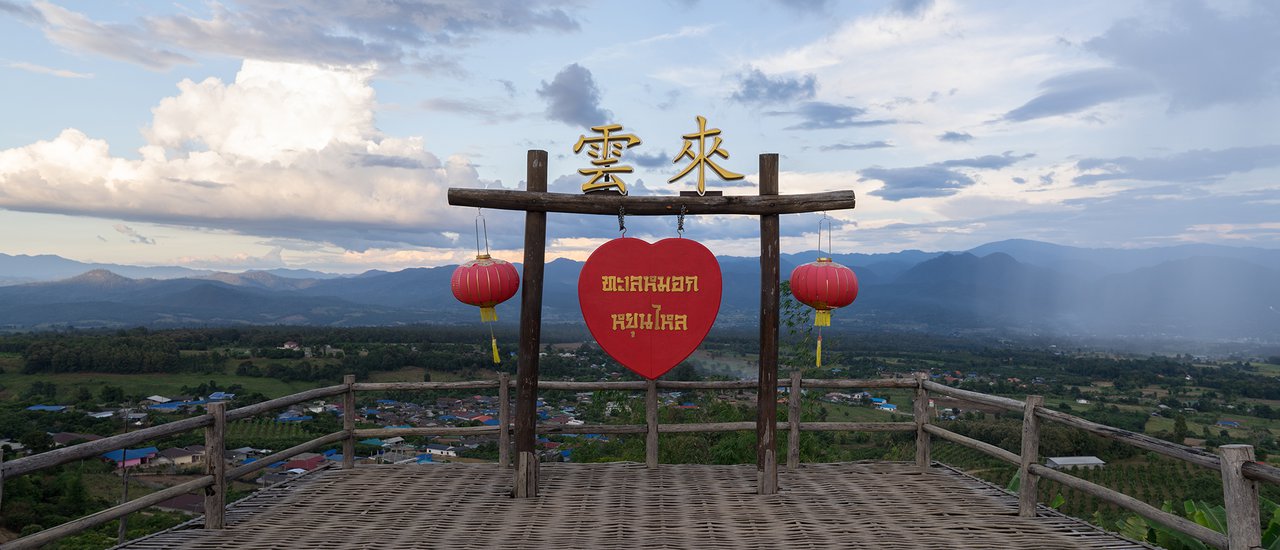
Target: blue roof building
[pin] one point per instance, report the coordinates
(124, 455)
(47, 408)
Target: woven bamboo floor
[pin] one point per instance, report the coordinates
(624, 505)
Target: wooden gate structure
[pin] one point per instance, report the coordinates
(536, 202)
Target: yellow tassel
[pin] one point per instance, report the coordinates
(819, 350)
(823, 318)
(488, 315)
(496, 359)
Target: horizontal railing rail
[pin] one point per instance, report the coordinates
(1238, 474)
(1240, 494)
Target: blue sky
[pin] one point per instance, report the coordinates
(265, 133)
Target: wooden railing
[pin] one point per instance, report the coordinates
(1240, 472)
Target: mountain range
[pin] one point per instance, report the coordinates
(1199, 292)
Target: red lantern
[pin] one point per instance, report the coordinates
(485, 282)
(823, 285)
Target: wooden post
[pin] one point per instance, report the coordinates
(651, 419)
(535, 242)
(1241, 497)
(924, 447)
(769, 476)
(526, 475)
(349, 422)
(1030, 455)
(122, 529)
(767, 391)
(793, 421)
(504, 420)
(215, 464)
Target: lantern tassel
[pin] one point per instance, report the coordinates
(819, 354)
(497, 360)
(488, 315)
(823, 318)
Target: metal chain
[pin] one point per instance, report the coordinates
(680, 221)
(622, 223)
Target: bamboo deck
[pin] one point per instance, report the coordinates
(623, 505)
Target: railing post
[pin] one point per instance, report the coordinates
(504, 420)
(793, 421)
(1030, 455)
(535, 245)
(349, 422)
(215, 464)
(651, 419)
(767, 392)
(1241, 497)
(920, 408)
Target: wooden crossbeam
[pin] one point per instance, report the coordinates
(536, 201)
(608, 204)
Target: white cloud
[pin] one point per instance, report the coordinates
(286, 150)
(41, 69)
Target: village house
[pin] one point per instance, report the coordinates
(437, 449)
(1072, 462)
(180, 457)
(130, 458)
(62, 439)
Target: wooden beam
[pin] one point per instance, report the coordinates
(266, 461)
(793, 421)
(1141, 441)
(920, 412)
(349, 422)
(49, 459)
(1030, 455)
(1179, 524)
(535, 243)
(973, 396)
(608, 204)
(857, 427)
(651, 421)
(504, 420)
(1240, 496)
(72, 527)
(767, 391)
(860, 384)
(972, 443)
(215, 464)
(425, 386)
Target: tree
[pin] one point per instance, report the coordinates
(38, 441)
(111, 394)
(1180, 430)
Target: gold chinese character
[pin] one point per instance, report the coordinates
(605, 150)
(703, 158)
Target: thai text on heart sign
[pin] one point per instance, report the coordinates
(656, 319)
(650, 305)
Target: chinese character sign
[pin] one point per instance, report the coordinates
(702, 158)
(606, 147)
(605, 151)
(650, 305)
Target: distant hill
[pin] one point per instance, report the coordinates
(1197, 292)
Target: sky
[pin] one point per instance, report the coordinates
(256, 134)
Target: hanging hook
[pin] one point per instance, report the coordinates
(622, 223)
(481, 222)
(827, 220)
(680, 221)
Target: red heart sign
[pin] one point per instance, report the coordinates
(650, 305)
